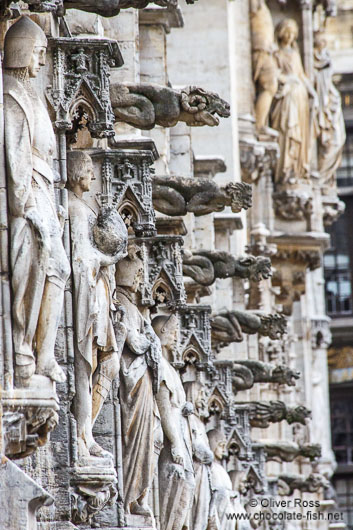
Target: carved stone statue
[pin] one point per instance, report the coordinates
(176, 473)
(97, 353)
(145, 106)
(202, 513)
(290, 114)
(139, 382)
(285, 451)
(264, 64)
(262, 413)
(246, 373)
(39, 264)
(331, 128)
(225, 499)
(287, 484)
(179, 195)
(228, 326)
(205, 266)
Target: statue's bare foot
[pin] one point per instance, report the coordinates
(96, 450)
(53, 371)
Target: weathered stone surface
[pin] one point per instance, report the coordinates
(145, 106)
(179, 195)
(20, 497)
(204, 266)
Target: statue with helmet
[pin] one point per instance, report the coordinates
(39, 264)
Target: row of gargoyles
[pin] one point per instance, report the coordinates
(205, 266)
(105, 8)
(246, 373)
(228, 326)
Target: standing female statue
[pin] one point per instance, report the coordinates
(291, 109)
(176, 473)
(139, 382)
(202, 512)
(39, 264)
(332, 134)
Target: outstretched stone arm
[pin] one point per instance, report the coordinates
(287, 484)
(205, 266)
(228, 326)
(178, 195)
(144, 106)
(262, 413)
(282, 451)
(261, 373)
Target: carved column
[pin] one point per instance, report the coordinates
(154, 25)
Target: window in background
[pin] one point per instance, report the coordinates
(337, 266)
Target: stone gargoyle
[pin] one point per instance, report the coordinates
(285, 451)
(287, 484)
(229, 326)
(105, 8)
(263, 413)
(201, 196)
(246, 373)
(205, 266)
(144, 106)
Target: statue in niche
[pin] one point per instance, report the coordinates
(145, 106)
(225, 498)
(202, 514)
(139, 382)
(331, 128)
(39, 264)
(176, 473)
(291, 114)
(205, 266)
(97, 353)
(264, 63)
(180, 195)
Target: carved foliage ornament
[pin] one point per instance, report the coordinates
(126, 177)
(80, 90)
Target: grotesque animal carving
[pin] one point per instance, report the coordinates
(201, 196)
(204, 266)
(228, 326)
(145, 106)
(246, 373)
(262, 413)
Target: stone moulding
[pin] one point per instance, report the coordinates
(30, 414)
(93, 488)
(80, 89)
